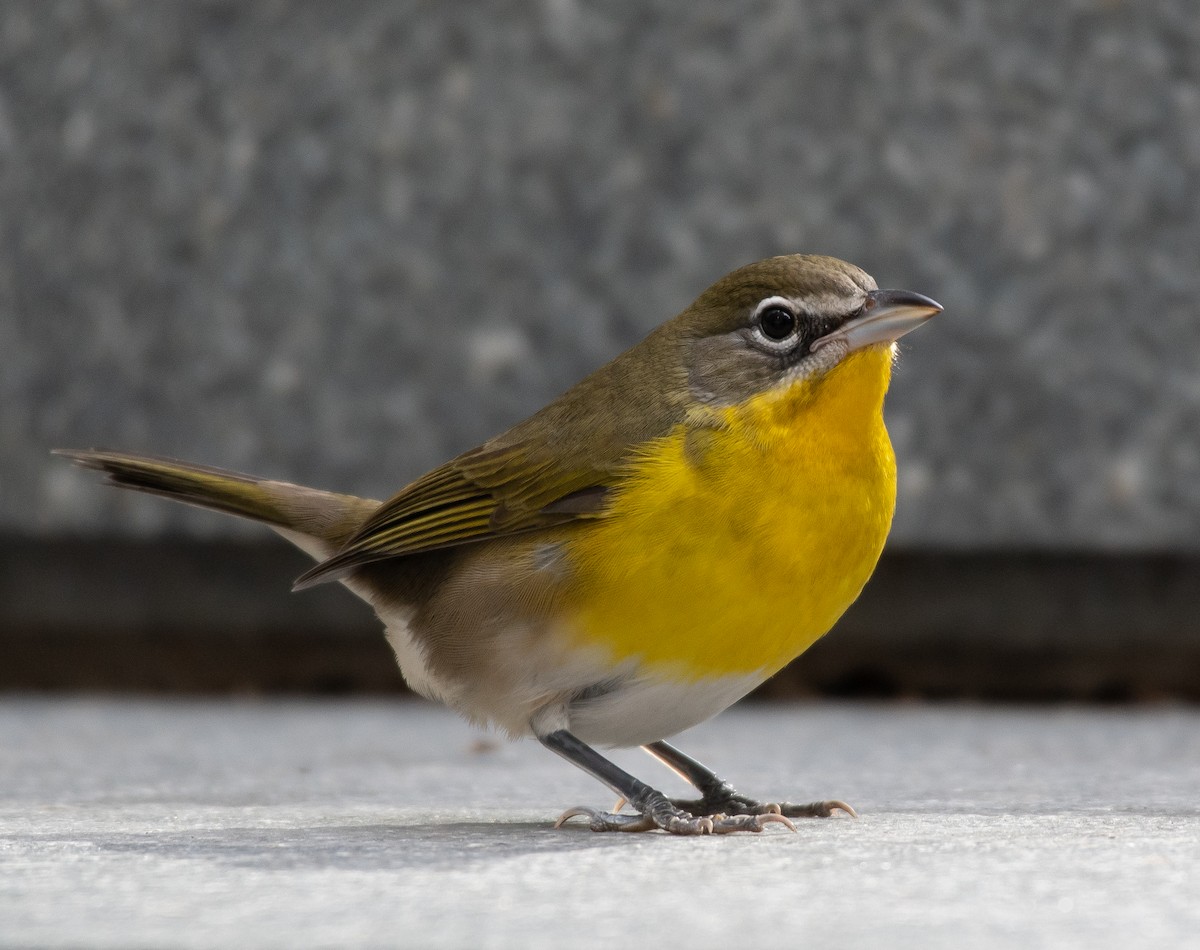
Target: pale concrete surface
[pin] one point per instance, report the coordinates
(308, 824)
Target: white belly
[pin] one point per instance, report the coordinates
(651, 708)
(544, 688)
(535, 678)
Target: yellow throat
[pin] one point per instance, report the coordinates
(738, 542)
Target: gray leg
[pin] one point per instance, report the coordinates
(653, 808)
(718, 797)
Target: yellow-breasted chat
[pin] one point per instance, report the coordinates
(643, 551)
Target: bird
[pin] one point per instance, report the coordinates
(644, 550)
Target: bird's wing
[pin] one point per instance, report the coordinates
(489, 492)
(560, 465)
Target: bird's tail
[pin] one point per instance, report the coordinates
(317, 522)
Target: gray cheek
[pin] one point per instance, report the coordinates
(727, 369)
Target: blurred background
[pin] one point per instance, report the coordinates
(339, 243)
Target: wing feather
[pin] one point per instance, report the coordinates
(484, 493)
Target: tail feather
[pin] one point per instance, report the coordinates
(317, 521)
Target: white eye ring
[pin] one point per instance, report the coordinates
(776, 344)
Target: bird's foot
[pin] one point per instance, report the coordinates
(725, 800)
(659, 812)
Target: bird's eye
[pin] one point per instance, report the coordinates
(778, 323)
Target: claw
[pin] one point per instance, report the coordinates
(579, 811)
(773, 818)
(816, 809)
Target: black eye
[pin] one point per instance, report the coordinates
(777, 323)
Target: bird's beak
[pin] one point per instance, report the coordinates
(886, 316)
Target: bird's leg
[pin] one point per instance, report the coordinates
(653, 808)
(718, 797)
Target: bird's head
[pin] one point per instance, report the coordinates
(787, 320)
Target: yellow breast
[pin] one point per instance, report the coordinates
(736, 544)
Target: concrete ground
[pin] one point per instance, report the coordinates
(285, 823)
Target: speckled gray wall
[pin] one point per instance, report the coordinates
(340, 242)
